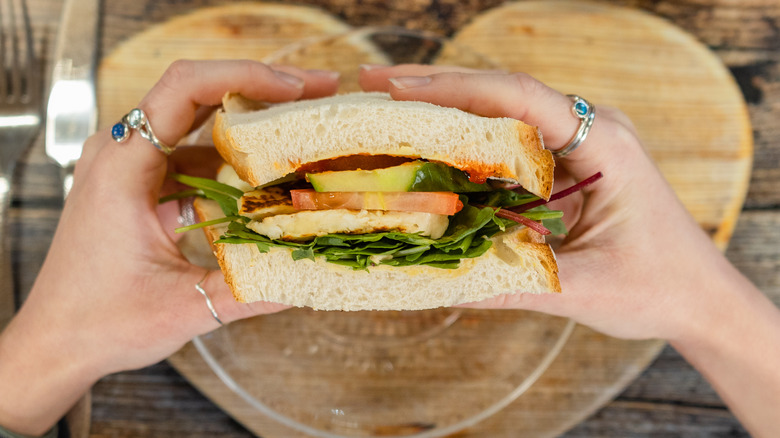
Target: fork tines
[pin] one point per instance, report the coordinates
(16, 53)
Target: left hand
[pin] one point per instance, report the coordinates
(115, 292)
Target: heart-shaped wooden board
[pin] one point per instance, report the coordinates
(683, 101)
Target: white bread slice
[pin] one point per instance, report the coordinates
(266, 144)
(518, 261)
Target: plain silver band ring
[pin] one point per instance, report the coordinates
(584, 111)
(136, 119)
(202, 291)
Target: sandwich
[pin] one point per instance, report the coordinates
(360, 202)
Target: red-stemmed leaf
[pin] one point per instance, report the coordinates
(519, 218)
(562, 194)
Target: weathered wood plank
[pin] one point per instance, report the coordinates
(637, 419)
(754, 249)
(762, 85)
(671, 380)
(669, 396)
(156, 401)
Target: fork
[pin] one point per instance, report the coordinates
(20, 122)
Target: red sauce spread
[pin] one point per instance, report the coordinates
(354, 162)
(478, 173)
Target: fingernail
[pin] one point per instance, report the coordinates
(404, 82)
(328, 74)
(295, 81)
(369, 67)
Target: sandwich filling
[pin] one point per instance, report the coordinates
(294, 215)
(412, 212)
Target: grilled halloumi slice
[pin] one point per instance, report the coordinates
(273, 215)
(308, 224)
(260, 203)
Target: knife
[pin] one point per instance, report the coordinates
(71, 114)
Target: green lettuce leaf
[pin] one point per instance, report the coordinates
(437, 177)
(467, 236)
(226, 196)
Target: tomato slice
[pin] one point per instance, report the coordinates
(422, 202)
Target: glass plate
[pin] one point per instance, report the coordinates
(345, 374)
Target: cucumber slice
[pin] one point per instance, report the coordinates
(415, 176)
(391, 179)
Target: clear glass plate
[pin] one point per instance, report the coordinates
(347, 374)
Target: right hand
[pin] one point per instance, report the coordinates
(635, 264)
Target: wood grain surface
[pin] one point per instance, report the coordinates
(668, 399)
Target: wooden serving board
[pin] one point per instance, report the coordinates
(686, 107)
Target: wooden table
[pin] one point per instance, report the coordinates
(669, 398)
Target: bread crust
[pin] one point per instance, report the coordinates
(518, 261)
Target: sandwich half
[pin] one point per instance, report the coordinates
(360, 202)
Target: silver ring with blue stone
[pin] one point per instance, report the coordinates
(136, 119)
(586, 112)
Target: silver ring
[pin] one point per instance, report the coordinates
(586, 112)
(136, 119)
(202, 291)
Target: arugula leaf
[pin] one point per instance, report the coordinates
(303, 253)
(507, 198)
(551, 219)
(556, 226)
(179, 195)
(207, 184)
(467, 222)
(437, 177)
(227, 196)
(538, 215)
(207, 223)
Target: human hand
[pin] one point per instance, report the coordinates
(115, 292)
(635, 264)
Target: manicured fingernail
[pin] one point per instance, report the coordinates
(404, 82)
(295, 81)
(327, 74)
(369, 67)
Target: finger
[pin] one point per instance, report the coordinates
(225, 306)
(567, 303)
(172, 106)
(200, 161)
(189, 84)
(581, 274)
(376, 77)
(202, 115)
(318, 83)
(521, 97)
(522, 301)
